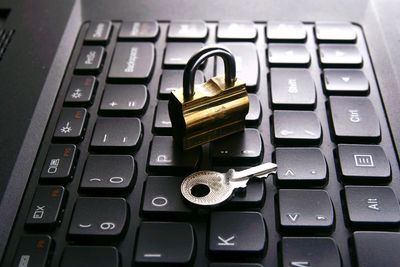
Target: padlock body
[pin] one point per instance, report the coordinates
(213, 112)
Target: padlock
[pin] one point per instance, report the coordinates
(205, 112)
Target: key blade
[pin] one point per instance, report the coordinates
(260, 171)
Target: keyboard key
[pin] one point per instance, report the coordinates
(236, 238)
(247, 66)
(301, 167)
(162, 122)
(162, 197)
(71, 124)
(340, 56)
(46, 206)
(124, 100)
(301, 210)
(252, 197)
(177, 54)
(236, 31)
(132, 62)
(90, 256)
(235, 265)
(59, 164)
(292, 89)
(286, 31)
(363, 164)
(309, 251)
(243, 149)
(354, 119)
(98, 218)
(33, 250)
(90, 59)
(254, 115)
(117, 134)
(287, 55)
(108, 173)
(372, 206)
(135, 30)
(172, 80)
(98, 31)
(335, 32)
(165, 243)
(376, 249)
(165, 157)
(80, 91)
(296, 128)
(345, 82)
(187, 30)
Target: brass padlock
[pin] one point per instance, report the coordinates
(205, 112)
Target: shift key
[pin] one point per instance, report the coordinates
(132, 61)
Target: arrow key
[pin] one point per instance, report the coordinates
(345, 82)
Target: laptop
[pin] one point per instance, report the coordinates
(91, 176)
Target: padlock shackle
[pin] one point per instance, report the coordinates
(197, 59)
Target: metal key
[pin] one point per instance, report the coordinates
(210, 188)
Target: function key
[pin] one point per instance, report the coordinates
(345, 82)
(286, 55)
(132, 62)
(172, 79)
(177, 54)
(187, 30)
(236, 31)
(71, 124)
(340, 56)
(254, 115)
(98, 32)
(59, 163)
(286, 31)
(162, 121)
(33, 250)
(80, 91)
(90, 59)
(335, 32)
(143, 30)
(90, 256)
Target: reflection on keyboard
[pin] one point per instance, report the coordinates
(106, 187)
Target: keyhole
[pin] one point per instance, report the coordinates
(200, 190)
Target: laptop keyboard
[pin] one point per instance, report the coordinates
(105, 189)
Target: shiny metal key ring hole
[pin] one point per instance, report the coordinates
(197, 59)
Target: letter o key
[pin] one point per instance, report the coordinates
(159, 202)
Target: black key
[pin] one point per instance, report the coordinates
(309, 251)
(372, 206)
(108, 173)
(165, 243)
(286, 55)
(335, 32)
(71, 124)
(80, 91)
(162, 197)
(117, 134)
(286, 31)
(132, 62)
(33, 250)
(292, 89)
(90, 59)
(162, 122)
(172, 80)
(340, 56)
(46, 206)
(177, 54)
(236, 31)
(254, 115)
(243, 148)
(187, 30)
(98, 217)
(301, 210)
(376, 249)
(363, 164)
(252, 197)
(59, 164)
(165, 157)
(122, 99)
(300, 167)
(247, 66)
(98, 31)
(354, 119)
(235, 265)
(345, 82)
(135, 30)
(90, 256)
(296, 128)
(236, 238)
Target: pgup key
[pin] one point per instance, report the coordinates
(210, 188)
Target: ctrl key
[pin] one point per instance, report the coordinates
(33, 250)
